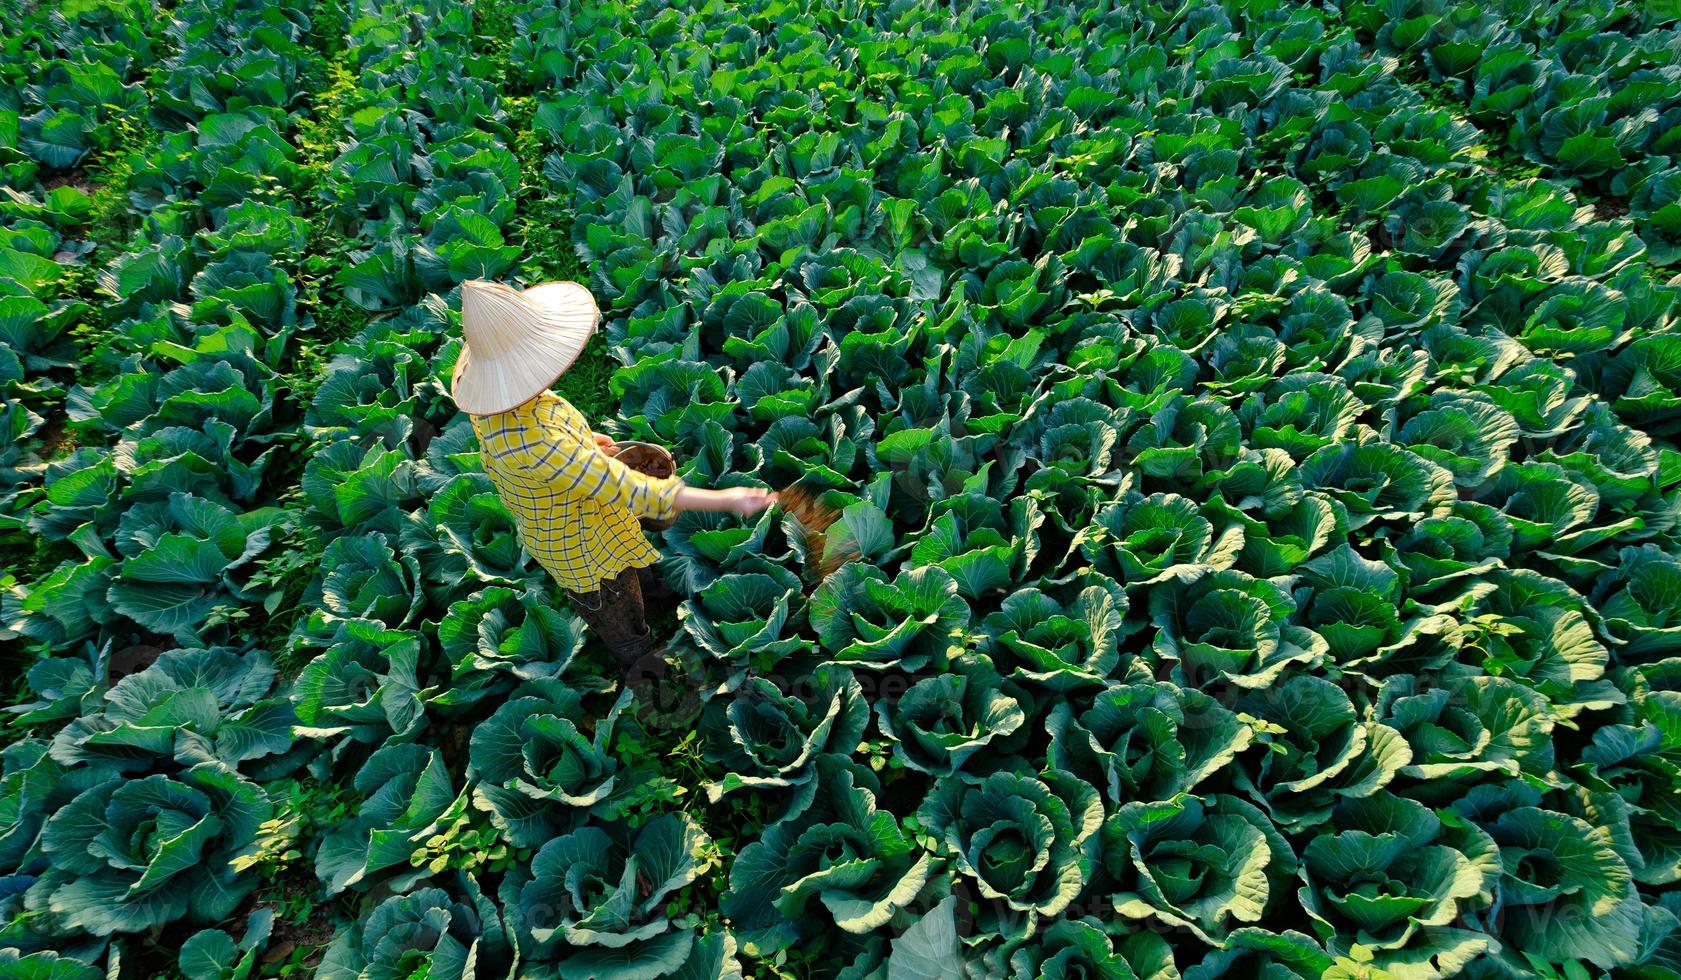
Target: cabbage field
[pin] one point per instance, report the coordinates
(1250, 430)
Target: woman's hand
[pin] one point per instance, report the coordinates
(603, 443)
(744, 501)
(748, 500)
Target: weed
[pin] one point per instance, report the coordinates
(466, 840)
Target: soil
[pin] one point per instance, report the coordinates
(1609, 209)
(422, 436)
(54, 437)
(645, 458)
(454, 747)
(75, 177)
(132, 660)
(1380, 237)
(313, 932)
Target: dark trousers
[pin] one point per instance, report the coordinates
(614, 611)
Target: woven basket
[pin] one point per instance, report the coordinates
(647, 458)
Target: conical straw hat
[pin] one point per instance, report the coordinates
(518, 341)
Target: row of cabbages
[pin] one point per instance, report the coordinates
(160, 499)
(1265, 523)
(141, 801)
(80, 72)
(1587, 90)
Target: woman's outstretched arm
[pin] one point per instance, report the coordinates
(737, 500)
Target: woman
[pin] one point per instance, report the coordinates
(576, 506)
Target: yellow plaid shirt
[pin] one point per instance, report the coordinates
(577, 507)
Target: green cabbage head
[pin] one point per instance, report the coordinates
(839, 860)
(1029, 843)
(427, 933)
(129, 855)
(592, 902)
(538, 762)
(867, 620)
(1208, 865)
(1394, 880)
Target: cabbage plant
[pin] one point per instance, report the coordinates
(840, 860)
(1072, 948)
(539, 763)
(1567, 891)
(364, 577)
(212, 954)
(1288, 955)
(33, 786)
(366, 685)
(407, 793)
(1462, 732)
(1205, 864)
(1393, 880)
(1056, 646)
(191, 705)
(128, 855)
(1146, 539)
(466, 535)
(184, 557)
(940, 722)
(499, 637)
(1146, 741)
(1642, 596)
(867, 620)
(746, 618)
(1228, 628)
(427, 932)
(1028, 843)
(65, 687)
(766, 738)
(1319, 749)
(981, 544)
(591, 903)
